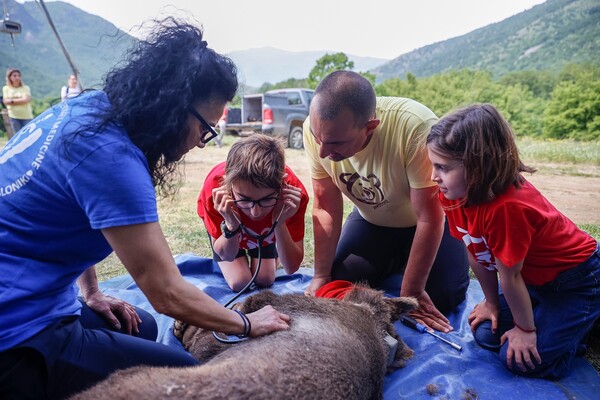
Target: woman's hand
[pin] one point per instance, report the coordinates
(118, 313)
(225, 206)
(484, 311)
(289, 200)
(522, 347)
(267, 320)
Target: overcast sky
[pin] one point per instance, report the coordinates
(375, 28)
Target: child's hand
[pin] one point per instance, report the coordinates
(484, 311)
(521, 346)
(224, 205)
(290, 201)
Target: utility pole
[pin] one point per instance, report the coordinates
(60, 42)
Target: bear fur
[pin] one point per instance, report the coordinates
(334, 349)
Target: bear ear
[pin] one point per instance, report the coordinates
(344, 176)
(375, 180)
(401, 305)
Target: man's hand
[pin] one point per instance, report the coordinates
(428, 315)
(315, 284)
(119, 314)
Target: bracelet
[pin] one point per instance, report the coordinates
(523, 329)
(247, 324)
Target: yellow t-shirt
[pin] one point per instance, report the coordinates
(18, 111)
(377, 179)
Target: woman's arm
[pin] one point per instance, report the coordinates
(117, 312)
(144, 252)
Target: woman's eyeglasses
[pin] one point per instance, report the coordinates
(265, 202)
(209, 133)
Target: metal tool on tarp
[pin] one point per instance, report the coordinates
(412, 323)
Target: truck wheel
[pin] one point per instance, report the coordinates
(295, 139)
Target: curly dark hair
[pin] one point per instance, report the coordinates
(154, 86)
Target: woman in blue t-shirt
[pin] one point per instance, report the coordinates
(79, 182)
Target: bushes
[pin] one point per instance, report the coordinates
(537, 103)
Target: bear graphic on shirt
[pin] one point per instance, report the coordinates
(366, 190)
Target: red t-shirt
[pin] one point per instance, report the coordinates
(212, 218)
(520, 224)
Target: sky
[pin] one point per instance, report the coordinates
(368, 28)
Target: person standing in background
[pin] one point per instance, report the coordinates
(17, 98)
(221, 124)
(71, 90)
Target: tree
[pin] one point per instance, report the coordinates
(326, 65)
(574, 109)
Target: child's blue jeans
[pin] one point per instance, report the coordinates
(564, 311)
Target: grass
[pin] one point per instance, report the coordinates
(560, 151)
(185, 233)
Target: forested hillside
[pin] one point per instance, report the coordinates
(540, 67)
(562, 105)
(546, 37)
(93, 43)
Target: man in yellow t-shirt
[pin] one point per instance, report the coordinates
(17, 98)
(372, 150)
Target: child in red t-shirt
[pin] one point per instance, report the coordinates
(548, 269)
(240, 202)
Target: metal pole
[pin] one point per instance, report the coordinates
(62, 46)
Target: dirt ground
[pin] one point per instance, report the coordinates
(573, 189)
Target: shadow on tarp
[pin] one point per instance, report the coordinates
(452, 374)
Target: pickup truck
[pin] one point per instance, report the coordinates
(279, 112)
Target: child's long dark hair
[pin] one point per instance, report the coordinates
(484, 142)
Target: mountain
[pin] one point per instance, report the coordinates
(93, 43)
(267, 64)
(546, 37)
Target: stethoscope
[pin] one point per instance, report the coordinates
(260, 239)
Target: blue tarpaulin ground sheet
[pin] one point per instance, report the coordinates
(473, 372)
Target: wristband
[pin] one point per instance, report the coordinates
(227, 233)
(247, 324)
(523, 329)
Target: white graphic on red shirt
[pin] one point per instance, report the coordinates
(479, 248)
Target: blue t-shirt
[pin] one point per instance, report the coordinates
(54, 199)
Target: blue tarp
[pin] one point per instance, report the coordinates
(451, 374)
